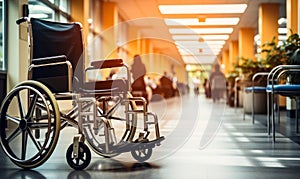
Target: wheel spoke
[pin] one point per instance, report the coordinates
(77, 161)
(139, 153)
(45, 108)
(41, 106)
(31, 106)
(20, 106)
(13, 119)
(39, 125)
(30, 124)
(143, 152)
(24, 144)
(14, 135)
(36, 143)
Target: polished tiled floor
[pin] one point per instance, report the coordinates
(203, 140)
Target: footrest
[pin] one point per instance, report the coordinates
(142, 137)
(156, 141)
(151, 144)
(124, 147)
(129, 146)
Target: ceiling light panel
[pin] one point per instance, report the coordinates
(200, 51)
(187, 43)
(196, 49)
(196, 43)
(282, 30)
(186, 37)
(208, 21)
(215, 42)
(194, 59)
(214, 37)
(203, 9)
(197, 37)
(201, 30)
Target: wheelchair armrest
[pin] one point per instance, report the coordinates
(110, 63)
(53, 59)
(100, 64)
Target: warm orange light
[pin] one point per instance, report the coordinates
(201, 19)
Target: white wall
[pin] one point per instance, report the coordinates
(17, 62)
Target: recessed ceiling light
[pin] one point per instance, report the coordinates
(282, 37)
(193, 48)
(201, 30)
(196, 43)
(282, 30)
(203, 9)
(198, 51)
(215, 46)
(208, 21)
(196, 48)
(186, 37)
(202, 37)
(282, 21)
(214, 37)
(187, 43)
(215, 42)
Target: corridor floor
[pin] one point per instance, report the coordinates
(203, 140)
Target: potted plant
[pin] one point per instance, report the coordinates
(247, 68)
(292, 49)
(286, 53)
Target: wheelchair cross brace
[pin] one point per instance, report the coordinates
(87, 106)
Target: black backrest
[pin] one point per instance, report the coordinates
(56, 38)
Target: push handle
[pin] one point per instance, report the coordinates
(22, 20)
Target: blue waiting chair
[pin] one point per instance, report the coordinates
(275, 88)
(255, 89)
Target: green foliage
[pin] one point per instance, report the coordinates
(281, 54)
(232, 75)
(248, 67)
(292, 49)
(285, 53)
(275, 54)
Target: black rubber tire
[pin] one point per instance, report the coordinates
(141, 153)
(84, 157)
(28, 108)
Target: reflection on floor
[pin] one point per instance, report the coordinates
(203, 140)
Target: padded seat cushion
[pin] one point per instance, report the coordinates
(257, 89)
(285, 90)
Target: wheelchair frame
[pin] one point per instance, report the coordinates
(90, 115)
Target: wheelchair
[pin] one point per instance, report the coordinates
(30, 116)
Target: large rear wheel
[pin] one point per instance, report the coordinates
(29, 124)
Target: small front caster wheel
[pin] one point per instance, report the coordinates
(141, 153)
(83, 159)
